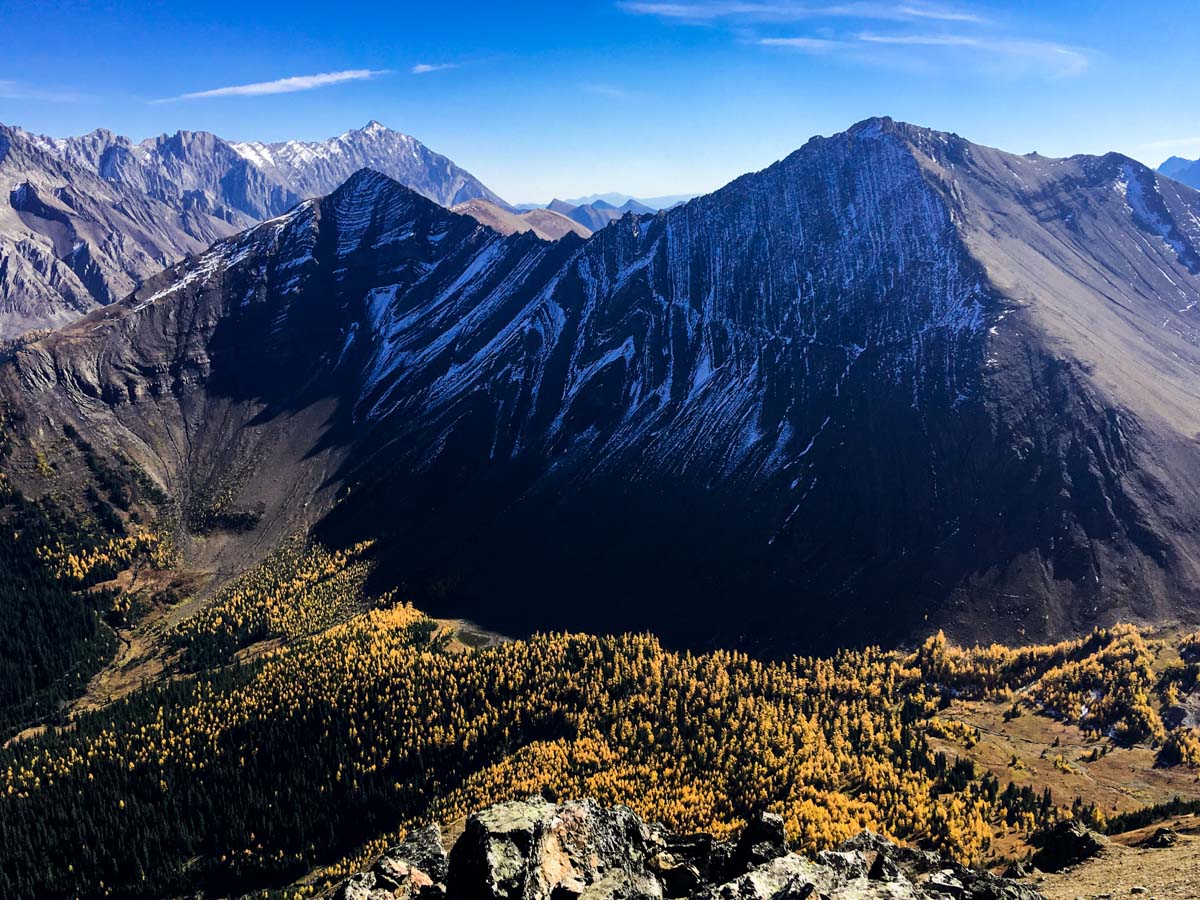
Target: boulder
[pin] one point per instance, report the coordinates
(1064, 844)
(1017, 869)
(883, 868)
(849, 864)
(356, 887)
(536, 850)
(781, 878)
(762, 840)
(414, 868)
(422, 849)
(1162, 838)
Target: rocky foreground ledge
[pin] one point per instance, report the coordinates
(536, 850)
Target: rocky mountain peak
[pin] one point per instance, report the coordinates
(366, 182)
(183, 143)
(101, 137)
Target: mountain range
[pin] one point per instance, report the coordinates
(84, 219)
(597, 214)
(893, 382)
(615, 199)
(1186, 171)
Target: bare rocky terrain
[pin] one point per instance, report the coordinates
(71, 239)
(537, 849)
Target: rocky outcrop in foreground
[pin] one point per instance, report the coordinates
(537, 850)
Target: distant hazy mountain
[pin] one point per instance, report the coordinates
(597, 214)
(652, 203)
(1186, 171)
(613, 199)
(84, 219)
(545, 223)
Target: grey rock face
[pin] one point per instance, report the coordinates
(70, 239)
(423, 849)
(413, 869)
(84, 219)
(536, 850)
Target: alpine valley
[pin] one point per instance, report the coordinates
(325, 465)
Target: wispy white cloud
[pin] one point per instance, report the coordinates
(282, 85)
(704, 12)
(952, 28)
(940, 14)
(426, 68)
(808, 44)
(782, 11)
(1172, 143)
(1043, 56)
(13, 90)
(604, 90)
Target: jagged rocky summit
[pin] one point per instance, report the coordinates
(537, 850)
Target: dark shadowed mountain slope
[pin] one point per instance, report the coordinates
(85, 218)
(894, 381)
(1186, 171)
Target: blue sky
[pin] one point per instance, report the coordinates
(566, 98)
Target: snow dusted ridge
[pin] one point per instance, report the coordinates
(312, 169)
(300, 153)
(895, 380)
